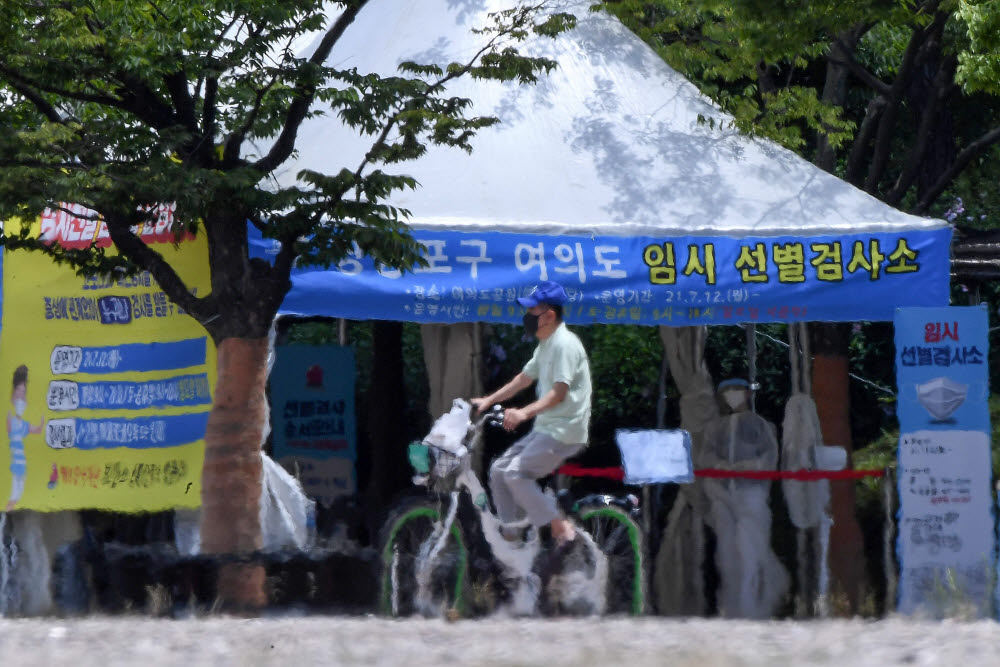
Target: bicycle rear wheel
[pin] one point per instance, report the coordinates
(619, 538)
(423, 566)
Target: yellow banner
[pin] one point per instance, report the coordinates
(107, 383)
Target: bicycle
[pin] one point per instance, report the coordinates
(442, 552)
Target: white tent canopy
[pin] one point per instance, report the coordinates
(615, 176)
(611, 143)
(610, 173)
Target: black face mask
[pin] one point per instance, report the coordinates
(530, 324)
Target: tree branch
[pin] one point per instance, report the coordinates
(765, 80)
(887, 124)
(231, 152)
(40, 103)
(140, 100)
(285, 260)
(258, 223)
(848, 60)
(132, 247)
(159, 11)
(461, 71)
(859, 148)
(939, 89)
(15, 77)
(220, 38)
(285, 144)
(961, 162)
(180, 95)
(209, 117)
(835, 94)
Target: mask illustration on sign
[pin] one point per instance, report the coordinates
(941, 396)
(19, 405)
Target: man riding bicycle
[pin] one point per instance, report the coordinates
(560, 370)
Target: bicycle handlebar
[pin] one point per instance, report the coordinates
(493, 416)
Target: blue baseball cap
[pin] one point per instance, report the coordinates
(545, 292)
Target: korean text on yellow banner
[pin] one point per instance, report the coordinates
(107, 383)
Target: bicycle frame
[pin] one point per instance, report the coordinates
(517, 558)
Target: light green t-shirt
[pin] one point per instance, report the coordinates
(561, 358)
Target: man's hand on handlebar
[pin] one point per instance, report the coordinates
(510, 418)
(513, 417)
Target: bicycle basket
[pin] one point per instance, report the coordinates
(444, 464)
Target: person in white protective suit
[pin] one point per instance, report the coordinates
(752, 581)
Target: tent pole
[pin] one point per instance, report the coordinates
(661, 403)
(752, 364)
(974, 298)
(648, 511)
(888, 544)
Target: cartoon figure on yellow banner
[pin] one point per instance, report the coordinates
(17, 429)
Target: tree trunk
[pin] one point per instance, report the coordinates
(832, 394)
(834, 92)
(389, 472)
(831, 389)
(941, 149)
(232, 473)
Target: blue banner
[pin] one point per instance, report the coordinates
(130, 357)
(638, 280)
(139, 433)
(946, 539)
(183, 390)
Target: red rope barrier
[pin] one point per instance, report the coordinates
(574, 470)
(617, 474)
(800, 475)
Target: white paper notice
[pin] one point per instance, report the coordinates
(946, 522)
(656, 456)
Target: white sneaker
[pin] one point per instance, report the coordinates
(512, 533)
(518, 531)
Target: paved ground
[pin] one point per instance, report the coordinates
(373, 641)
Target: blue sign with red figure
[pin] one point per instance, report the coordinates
(312, 409)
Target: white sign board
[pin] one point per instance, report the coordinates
(656, 456)
(946, 538)
(946, 532)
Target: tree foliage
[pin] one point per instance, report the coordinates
(123, 105)
(979, 66)
(899, 97)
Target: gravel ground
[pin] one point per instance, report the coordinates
(375, 641)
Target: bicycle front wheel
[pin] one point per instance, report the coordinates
(619, 538)
(423, 562)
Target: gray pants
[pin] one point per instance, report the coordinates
(513, 478)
